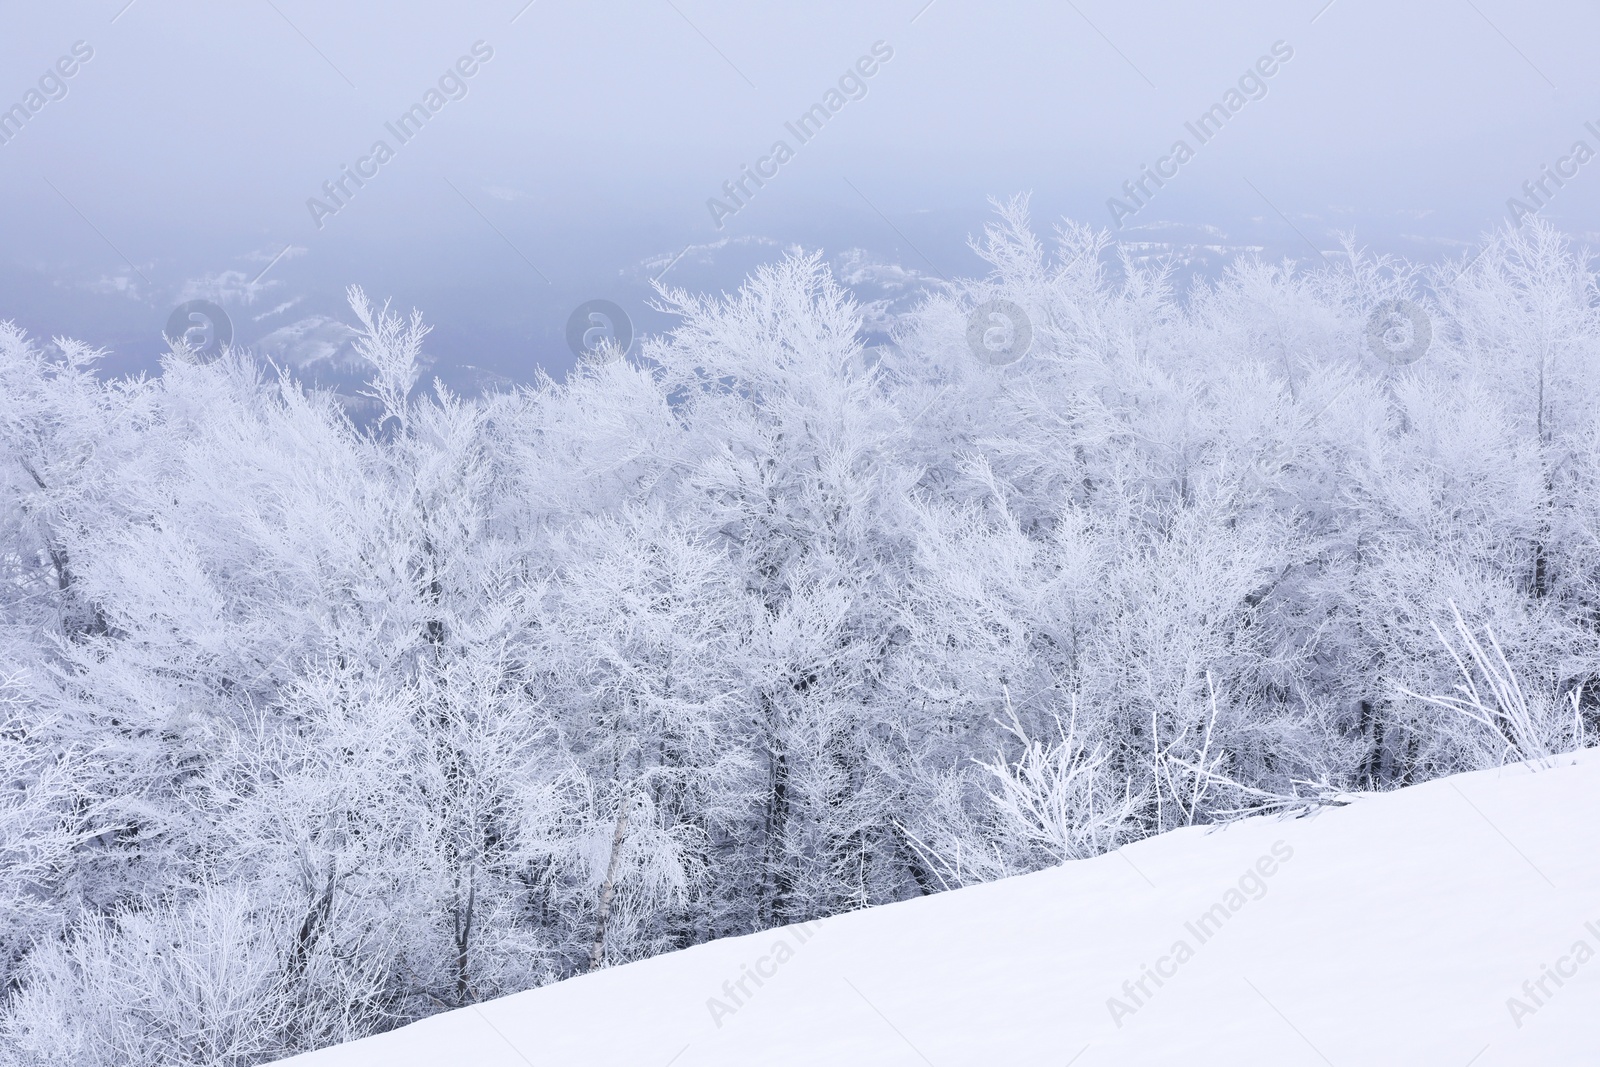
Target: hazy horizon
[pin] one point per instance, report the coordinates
(583, 154)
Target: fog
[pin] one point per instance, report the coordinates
(584, 154)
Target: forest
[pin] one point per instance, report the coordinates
(319, 717)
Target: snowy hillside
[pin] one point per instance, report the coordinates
(1453, 922)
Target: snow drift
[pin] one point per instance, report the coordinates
(1453, 922)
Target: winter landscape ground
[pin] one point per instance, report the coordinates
(1454, 922)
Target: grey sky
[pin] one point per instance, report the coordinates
(592, 139)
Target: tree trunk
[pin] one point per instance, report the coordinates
(607, 891)
(462, 921)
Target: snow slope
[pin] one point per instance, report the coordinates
(1393, 930)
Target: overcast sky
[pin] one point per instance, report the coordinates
(577, 159)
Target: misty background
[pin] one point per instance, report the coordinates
(177, 162)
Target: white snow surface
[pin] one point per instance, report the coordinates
(1395, 933)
